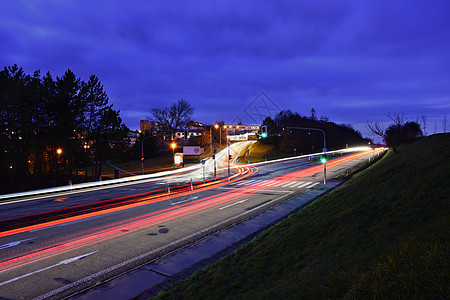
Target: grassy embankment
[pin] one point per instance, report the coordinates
(383, 234)
(261, 152)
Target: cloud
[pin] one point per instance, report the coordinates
(347, 59)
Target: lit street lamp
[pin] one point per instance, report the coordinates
(173, 146)
(213, 148)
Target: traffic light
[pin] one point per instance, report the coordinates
(323, 159)
(213, 156)
(264, 131)
(229, 157)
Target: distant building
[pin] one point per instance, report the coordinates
(192, 129)
(240, 129)
(133, 136)
(149, 126)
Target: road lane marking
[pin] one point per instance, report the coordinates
(63, 262)
(245, 182)
(312, 185)
(12, 244)
(253, 182)
(151, 253)
(275, 183)
(232, 204)
(264, 183)
(290, 183)
(182, 201)
(252, 189)
(301, 184)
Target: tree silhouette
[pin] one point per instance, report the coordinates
(39, 115)
(172, 118)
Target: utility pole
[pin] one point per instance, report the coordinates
(229, 159)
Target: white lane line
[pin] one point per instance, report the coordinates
(182, 201)
(303, 184)
(254, 182)
(290, 183)
(245, 182)
(253, 189)
(314, 184)
(300, 184)
(265, 183)
(232, 204)
(63, 262)
(12, 244)
(151, 253)
(276, 183)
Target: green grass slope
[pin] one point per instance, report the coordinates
(384, 234)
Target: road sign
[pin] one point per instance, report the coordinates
(324, 149)
(203, 161)
(214, 151)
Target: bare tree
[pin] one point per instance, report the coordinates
(173, 117)
(391, 140)
(377, 129)
(180, 113)
(399, 121)
(423, 119)
(444, 124)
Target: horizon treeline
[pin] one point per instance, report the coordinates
(55, 126)
(299, 141)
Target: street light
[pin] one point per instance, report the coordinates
(213, 149)
(58, 151)
(324, 150)
(220, 136)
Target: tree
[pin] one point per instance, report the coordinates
(271, 126)
(313, 114)
(398, 132)
(423, 119)
(444, 124)
(172, 118)
(110, 137)
(39, 115)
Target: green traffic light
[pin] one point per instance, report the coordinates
(264, 134)
(323, 159)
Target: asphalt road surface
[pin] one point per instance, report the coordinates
(45, 258)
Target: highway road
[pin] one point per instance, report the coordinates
(47, 256)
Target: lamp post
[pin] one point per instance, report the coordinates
(217, 126)
(173, 145)
(228, 141)
(213, 149)
(324, 149)
(142, 154)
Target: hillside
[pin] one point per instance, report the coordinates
(383, 234)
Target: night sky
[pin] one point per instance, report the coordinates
(351, 61)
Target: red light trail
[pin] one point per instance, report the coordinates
(167, 215)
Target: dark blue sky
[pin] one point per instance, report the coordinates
(350, 60)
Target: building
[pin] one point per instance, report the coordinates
(241, 129)
(149, 126)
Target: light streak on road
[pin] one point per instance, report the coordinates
(181, 211)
